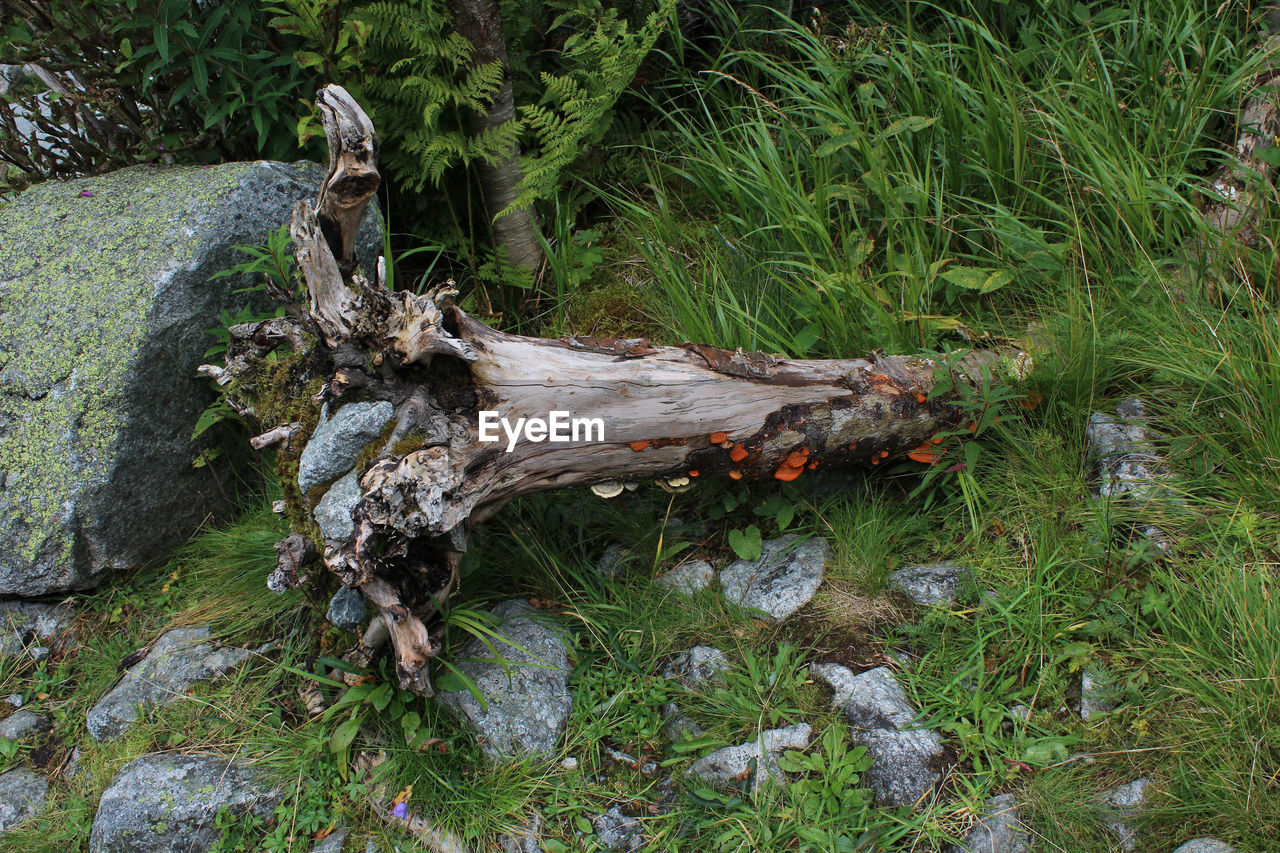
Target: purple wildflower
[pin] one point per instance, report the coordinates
(86, 194)
(400, 810)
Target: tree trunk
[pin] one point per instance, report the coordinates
(677, 415)
(514, 232)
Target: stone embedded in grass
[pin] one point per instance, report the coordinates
(346, 609)
(22, 794)
(1125, 801)
(336, 444)
(932, 586)
(528, 695)
(178, 660)
(107, 305)
(613, 561)
(782, 581)
(998, 830)
(679, 726)
(905, 760)
(525, 838)
(733, 764)
(333, 512)
(697, 668)
(1205, 845)
(26, 625)
(22, 724)
(1128, 465)
(690, 578)
(618, 831)
(334, 842)
(167, 801)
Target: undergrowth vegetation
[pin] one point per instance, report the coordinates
(912, 177)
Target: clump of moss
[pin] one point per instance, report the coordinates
(613, 309)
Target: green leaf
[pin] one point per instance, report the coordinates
(160, 36)
(979, 279)
(343, 736)
(746, 543)
(381, 697)
(909, 124)
(200, 73)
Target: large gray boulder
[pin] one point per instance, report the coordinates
(166, 803)
(527, 701)
(176, 661)
(106, 304)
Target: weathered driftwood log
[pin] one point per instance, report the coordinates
(630, 411)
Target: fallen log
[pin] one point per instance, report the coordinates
(482, 416)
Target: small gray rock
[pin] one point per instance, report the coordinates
(613, 561)
(617, 831)
(528, 699)
(905, 764)
(1205, 845)
(679, 726)
(30, 624)
(781, 581)
(177, 660)
(877, 701)
(525, 838)
(689, 578)
(931, 586)
(696, 668)
(14, 699)
(334, 842)
(333, 513)
(905, 760)
(1097, 692)
(336, 444)
(22, 724)
(839, 678)
(166, 803)
(22, 794)
(998, 831)
(1128, 465)
(729, 765)
(346, 609)
(1125, 801)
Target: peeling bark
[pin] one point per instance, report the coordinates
(675, 414)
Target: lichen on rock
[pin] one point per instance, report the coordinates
(106, 304)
